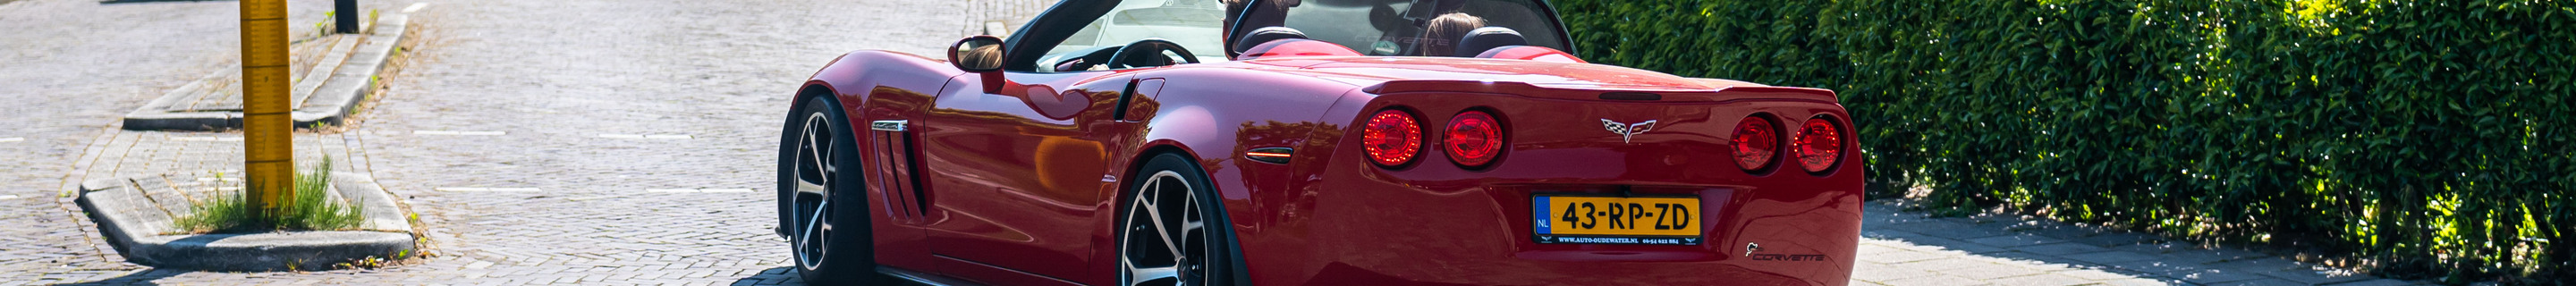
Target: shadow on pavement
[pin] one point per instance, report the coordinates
(772, 276)
(146, 277)
(1908, 248)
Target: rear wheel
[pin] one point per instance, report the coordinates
(1172, 231)
(822, 211)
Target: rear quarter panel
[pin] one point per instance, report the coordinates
(1214, 114)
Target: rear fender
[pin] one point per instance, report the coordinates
(1214, 115)
(1218, 114)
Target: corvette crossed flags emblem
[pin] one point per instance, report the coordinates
(1627, 131)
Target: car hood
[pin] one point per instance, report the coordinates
(1366, 71)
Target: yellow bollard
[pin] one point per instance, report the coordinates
(268, 145)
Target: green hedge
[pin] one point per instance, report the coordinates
(2427, 138)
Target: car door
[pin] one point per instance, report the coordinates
(1019, 173)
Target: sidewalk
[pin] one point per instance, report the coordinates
(187, 155)
(1912, 248)
(1009, 13)
(331, 74)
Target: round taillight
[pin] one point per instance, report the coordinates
(1756, 143)
(1820, 145)
(1391, 137)
(1474, 138)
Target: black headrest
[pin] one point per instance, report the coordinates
(1487, 38)
(1264, 36)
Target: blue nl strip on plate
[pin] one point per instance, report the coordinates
(1542, 214)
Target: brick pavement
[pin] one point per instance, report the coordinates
(1012, 13)
(1908, 248)
(72, 67)
(505, 95)
(523, 111)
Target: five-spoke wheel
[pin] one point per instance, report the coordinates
(825, 222)
(1169, 230)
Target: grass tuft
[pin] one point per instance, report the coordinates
(308, 207)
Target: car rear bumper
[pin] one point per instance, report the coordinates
(1374, 232)
(1343, 220)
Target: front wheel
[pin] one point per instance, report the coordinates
(822, 210)
(1172, 231)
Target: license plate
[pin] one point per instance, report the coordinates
(1617, 220)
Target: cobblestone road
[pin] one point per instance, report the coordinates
(629, 142)
(641, 126)
(68, 69)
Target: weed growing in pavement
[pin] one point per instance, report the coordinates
(313, 208)
(324, 27)
(310, 207)
(222, 211)
(371, 262)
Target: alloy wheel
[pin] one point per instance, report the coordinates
(814, 171)
(1164, 239)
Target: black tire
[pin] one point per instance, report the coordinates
(1211, 257)
(824, 181)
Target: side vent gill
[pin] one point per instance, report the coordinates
(898, 169)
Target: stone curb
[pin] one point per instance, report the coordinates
(130, 215)
(155, 115)
(356, 77)
(326, 101)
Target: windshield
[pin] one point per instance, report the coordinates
(1413, 27)
(1195, 24)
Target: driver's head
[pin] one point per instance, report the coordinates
(1441, 34)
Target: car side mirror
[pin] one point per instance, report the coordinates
(980, 54)
(977, 54)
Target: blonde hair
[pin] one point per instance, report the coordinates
(1444, 31)
(982, 55)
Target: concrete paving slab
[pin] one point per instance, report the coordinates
(1872, 271)
(2261, 282)
(2014, 240)
(2109, 256)
(2137, 282)
(2061, 249)
(2379, 282)
(2042, 280)
(1994, 272)
(2212, 276)
(2312, 276)
(1946, 263)
(1939, 280)
(2118, 239)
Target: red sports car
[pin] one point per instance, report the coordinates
(1314, 142)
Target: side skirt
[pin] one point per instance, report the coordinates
(923, 278)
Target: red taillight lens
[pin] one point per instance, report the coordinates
(1391, 138)
(1474, 139)
(1756, 143)
(1820, 145)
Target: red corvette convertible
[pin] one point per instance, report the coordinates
(1313, 142)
